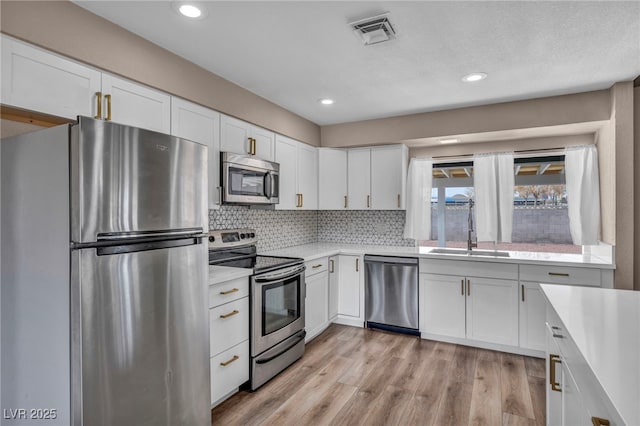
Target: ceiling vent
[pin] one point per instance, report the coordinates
(376, 29)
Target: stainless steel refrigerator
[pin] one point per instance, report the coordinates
(103, 278)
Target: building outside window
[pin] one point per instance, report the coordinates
(540, 217)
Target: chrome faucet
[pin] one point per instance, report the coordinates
(470, 243)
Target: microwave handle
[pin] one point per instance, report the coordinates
(268, 185)
(272, 192)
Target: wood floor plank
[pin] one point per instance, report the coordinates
(422, 409)
(516, 398)
(486, 399)
(388, 408)
(509, 419)
(535, 366)
(538, 398)
(489, 355)
(463, 368)
(455, 404)
(444, 350)
(328, 406)
(410, 370)
(355, 409)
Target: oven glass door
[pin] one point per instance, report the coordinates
(280, 306)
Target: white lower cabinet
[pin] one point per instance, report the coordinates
(350, 287)
(228, 337)
(317, 298)
(532, 316)
(492, 310)
(333, 287)
(443, 309)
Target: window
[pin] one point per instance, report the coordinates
(540, 222)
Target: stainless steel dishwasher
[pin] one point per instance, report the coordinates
(391, 293)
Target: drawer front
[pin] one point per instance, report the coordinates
(507, 271)
(560, 275)
(229, 370)
(316, 266)
(228, 291)
(228, 325)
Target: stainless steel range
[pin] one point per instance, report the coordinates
(277, 296)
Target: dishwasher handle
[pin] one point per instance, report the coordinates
(391, 259)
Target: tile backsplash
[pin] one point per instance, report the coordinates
(378, 227)
(285, 228)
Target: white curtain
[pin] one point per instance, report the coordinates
(583, 193)
(493, 181)
(419, 180)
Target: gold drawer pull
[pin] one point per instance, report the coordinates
(368, 201)
(332, 265)
(558, 274)
(462, 287)
(225, 363)
(597, 421)
(316, 266)
(233, 290)
(398, 200)
(522, 286)
(553, 359)
(230, 314)
(99, 99)
(345, 201)
(108, 98)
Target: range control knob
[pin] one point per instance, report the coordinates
(212, 239)
(253, 235)
(243, 236)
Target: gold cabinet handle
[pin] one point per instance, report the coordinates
(253, 149)
(368, 201)
(99, 100)
(558, 274)
(331, 266)
(468, 287)
(398, 200)
(298, 200)
(357, 264)
(522, 288)
(233, 290)
(108, 98)
(225, 363)
(230, 314)
(316, 266)
(598, 421)
(553, 359)
(301, 200)
(345, 201)
(462, 287)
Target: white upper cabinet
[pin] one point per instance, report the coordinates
(359, 179)
(298, 174)
(202, 125)
(332, 179)
(240, 137)
(388, 177)
(35, 80)
(132, 104)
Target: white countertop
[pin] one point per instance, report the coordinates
(317, 250)
(220, 274)
(605, 325)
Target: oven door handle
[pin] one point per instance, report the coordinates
(281, 276)
(301, 336)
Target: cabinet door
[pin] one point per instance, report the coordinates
(574, 411)
(136, 105)
(359, 179)
(492, 310)
(265, 143)
(553, 397)
(234, 135)
(532, 316)
(307, 173)
(333, 286)
(388, 175)
(332, 179)
(316, 312)
(286, 153)
(444, 304)
(39, 81)
(349, 286)
(199, 124)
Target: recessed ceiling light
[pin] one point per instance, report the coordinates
(326, 101)
(476, 76)
(445, 141)
(190, 11)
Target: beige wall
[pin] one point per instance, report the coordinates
(68, 29)
(636, 155)
(533, 113)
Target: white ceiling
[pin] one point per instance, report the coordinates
(296, 52)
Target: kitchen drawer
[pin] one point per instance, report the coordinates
(229, 370)
(228, 291)
(560, 275)
(316, 266)
(506, 271)
(228, 325)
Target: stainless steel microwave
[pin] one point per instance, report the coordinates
(249, 180)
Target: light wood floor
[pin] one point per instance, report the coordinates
(353, 376)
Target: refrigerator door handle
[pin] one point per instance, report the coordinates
(146, 246)
(150, 234)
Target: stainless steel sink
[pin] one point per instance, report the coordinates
(491, 253)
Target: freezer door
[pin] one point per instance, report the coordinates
(127, 180)
(140, 339)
